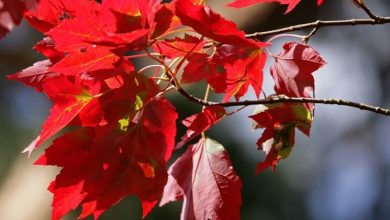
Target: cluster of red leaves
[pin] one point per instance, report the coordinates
(123, 130)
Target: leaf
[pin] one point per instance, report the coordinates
(198, 123)
(165, 20)
(212, 25)
(73, 34)
(87, 60)
(230, 70)
(35, 75)
(110, 162)
(243, 68)
(205, 178)
(11, 14)
(293, 69)
(291, 4)
(68, 151)
(132, 14)
(69, 99)
(89, 30)
(50, 13)
(280, 121)
(99, 26)
(200, 67)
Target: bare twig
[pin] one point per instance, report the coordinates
(367, 10)
(319, 24)
(311, 34)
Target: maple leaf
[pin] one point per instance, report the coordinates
(94, 28)
(205, 178)
(200, 67)
(243, 67)
(293, 69)
(87, 60)
(150, 15)
(49, 13)
(11, 14)
(212, 25)
(113, 161)
(291, 4)
(34, 75)
(69, 99)
(230, 70)
(278, 138)
(165, 20)
(132, 14)
(198, 123)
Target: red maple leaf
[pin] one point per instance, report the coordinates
(11, 14)
(278, 138)
(291, 4)
(205, 178)
(212, 25)
(86, 60)
(69, 99)
(230, 70)
(293, 69)
(200, 67)
(243, 67)
(50, 13)
(165, 20)
(132, 14)
(34, 75)
(198, 123)
(79, 33)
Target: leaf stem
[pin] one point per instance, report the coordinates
(206, 96)
(284, 35)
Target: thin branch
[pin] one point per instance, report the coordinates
(319, 24)
(367, 10)
(286, 99)
(311, 34)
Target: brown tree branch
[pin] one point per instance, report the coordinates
(285, 99)
(320, 23)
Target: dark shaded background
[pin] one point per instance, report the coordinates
(342, 172)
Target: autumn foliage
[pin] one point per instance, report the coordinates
(122, 131)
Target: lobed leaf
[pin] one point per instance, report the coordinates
(204, 177)
(293, 69)
(278, 138)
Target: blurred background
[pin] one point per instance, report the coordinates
(342, 172)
